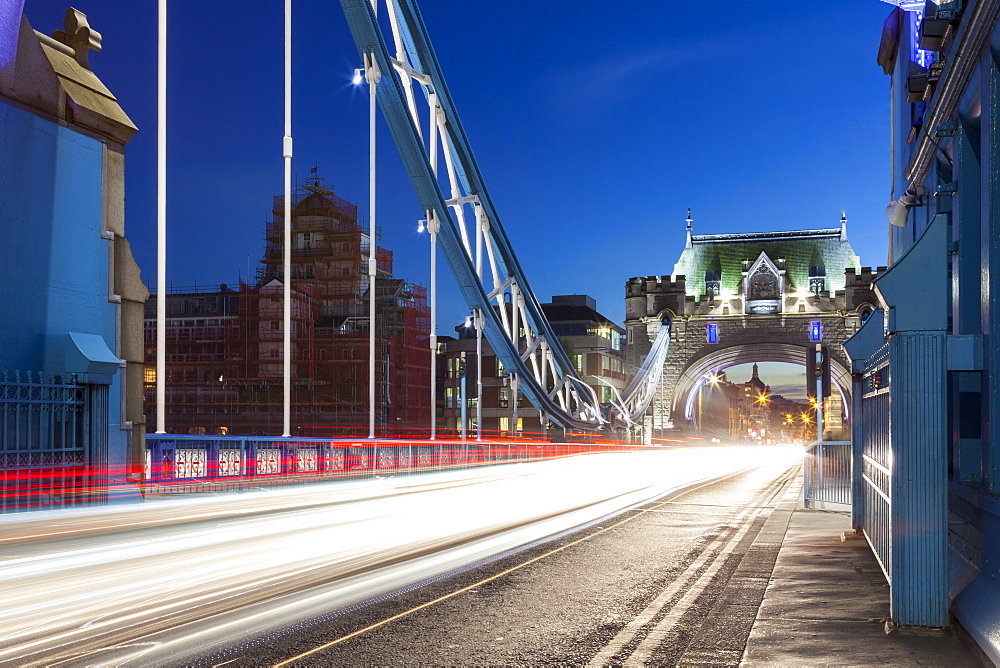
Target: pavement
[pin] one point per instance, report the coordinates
(827, 603)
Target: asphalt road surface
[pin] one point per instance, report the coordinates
(638, 588)
(607, 559)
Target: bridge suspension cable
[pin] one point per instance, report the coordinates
(468, 228)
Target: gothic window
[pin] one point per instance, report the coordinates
(817, 279)
(713, 282)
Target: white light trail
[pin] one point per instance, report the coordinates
(187, 576)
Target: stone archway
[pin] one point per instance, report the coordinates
(719, 359)
(747, 297)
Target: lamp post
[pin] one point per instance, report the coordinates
(161, 220)
(371, 76)
(461, 395)
(433, 226)
(478, 319)
(286, 403)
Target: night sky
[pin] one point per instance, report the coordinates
(595, 125)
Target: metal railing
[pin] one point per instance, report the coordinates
(827, 473)
(876, 458)
(49, 441)
(179, 464)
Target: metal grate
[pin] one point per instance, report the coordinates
(45, 440)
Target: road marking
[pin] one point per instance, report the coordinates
(714, 557)
(439, 599)
(474, 585)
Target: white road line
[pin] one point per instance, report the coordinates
(714, 557)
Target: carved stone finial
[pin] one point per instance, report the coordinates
(78, 35)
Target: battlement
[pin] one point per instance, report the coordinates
(862, 278)
(638, 286)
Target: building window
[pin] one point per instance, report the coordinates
(504, 424)
(713, 282)
(449, 397)
(503, 397)
(817, 280)
(501, 372)
(578, 363)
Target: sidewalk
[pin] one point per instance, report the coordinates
(827, 602)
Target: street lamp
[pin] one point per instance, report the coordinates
(287, 250)
(372, 76)
(431, 225)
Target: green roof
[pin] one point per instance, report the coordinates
(798, 248)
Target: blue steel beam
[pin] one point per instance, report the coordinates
(551, 383)
(585, 415)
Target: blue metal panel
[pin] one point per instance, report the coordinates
(919, 471)
(925, 264)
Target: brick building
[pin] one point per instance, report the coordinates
(595, 346)
(224, 356)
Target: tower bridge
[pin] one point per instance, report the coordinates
(749, 297)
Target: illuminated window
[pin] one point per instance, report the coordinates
(578, 363)
(504, 424)
(149, 374)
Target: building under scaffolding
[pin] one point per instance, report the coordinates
(224, 355)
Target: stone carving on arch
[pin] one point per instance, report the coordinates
(763, 287)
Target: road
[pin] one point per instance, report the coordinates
(467, 557)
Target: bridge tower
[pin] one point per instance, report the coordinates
(747, 297)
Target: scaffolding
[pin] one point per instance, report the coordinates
(226, 377)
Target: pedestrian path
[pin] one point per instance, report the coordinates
(827, 602)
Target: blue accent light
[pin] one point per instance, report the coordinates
(712, 333)
(918, 55)
(816, 331)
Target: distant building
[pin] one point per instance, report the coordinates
(594, 344)
(750, 412)
(225, 358)
(749, 297)
(70, 344)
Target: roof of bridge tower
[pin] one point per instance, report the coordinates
(797, 247)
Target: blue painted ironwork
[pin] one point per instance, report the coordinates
(514, 324)
(177, 464)
(903, 418)
(827, 473)
(876, 464)
(53, 439)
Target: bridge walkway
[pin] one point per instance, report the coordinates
(827, 603)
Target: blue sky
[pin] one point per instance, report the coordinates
(595, 126)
